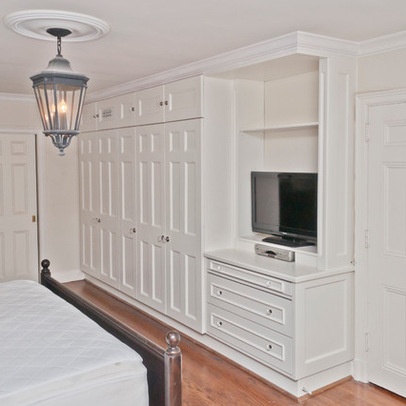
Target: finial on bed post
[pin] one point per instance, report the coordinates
(45, 270)
(173, 370)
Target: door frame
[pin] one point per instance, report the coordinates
(364, 102)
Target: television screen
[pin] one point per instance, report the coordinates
(284, 205)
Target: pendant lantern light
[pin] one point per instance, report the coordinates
(60, 94)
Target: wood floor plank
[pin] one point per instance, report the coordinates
(211, 380)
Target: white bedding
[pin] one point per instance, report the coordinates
(52, 354)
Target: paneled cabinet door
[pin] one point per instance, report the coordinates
(175, 101)
(89, 118)
(127, 217)
(99, 205)
(151, 279)
(169, 276)
(149, 106)
(183, 99)
(183, 221)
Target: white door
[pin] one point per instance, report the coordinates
(387, 247)
(128, 210)
(151, 279)
(89, 207)
(183, 221)
(18, 208)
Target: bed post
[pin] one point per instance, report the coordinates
(173, 370)
(45, 272)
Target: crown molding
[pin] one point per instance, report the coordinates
(387, 43)
(289, 44)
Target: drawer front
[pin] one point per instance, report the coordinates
(256, 341)
(261, 307)
(264, 281)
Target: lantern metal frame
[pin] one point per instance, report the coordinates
(60, 95)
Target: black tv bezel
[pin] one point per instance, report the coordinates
(287, 233)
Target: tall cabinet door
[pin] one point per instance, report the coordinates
(109, 207)
(151, 280)
(128, 210)
(183, 221)
(99, 205)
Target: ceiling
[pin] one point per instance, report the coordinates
(151, 36)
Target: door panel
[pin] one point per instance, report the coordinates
(151, 279)
(387, 247)
(18, 208)
(128, 223)
(183, 220)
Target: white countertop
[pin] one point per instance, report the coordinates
(288, 271)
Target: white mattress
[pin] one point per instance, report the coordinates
(52, 354)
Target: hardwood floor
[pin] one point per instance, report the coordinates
(210, 379)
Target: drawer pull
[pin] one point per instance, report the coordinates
(219, 292)
(269, 347)
(219, 323)
(269, 311)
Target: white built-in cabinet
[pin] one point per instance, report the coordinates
(141, 193)
(165, 180)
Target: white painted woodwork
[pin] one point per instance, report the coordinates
(183, 99)
(336, 163)
(178, 100)
(127, 213)
(18, 207)
(126, 116)
(150, 184)
(150, 106)
(99, 205)
(169, 229)
(89, 118)
(183, 220)
(386, 256)
(274, 314)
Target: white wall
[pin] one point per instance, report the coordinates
(383, 71)
(58, 185)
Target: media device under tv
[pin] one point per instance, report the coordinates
(284, 205)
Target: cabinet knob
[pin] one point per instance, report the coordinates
(269, 347)
(132, 109)
(96, 220)
(166, 102)
(133, 230)
(219, 292)
(161, 103)
(219, 323)
(164, 238)
(269, 311)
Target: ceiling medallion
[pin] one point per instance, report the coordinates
(35, 23)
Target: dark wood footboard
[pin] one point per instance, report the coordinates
(164, 366)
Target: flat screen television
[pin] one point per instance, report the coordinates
(284, 205)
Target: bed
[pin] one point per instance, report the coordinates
(53, 353)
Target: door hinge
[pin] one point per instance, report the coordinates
(366, 238)
(34, 218)
(367, 132)
(366, 342)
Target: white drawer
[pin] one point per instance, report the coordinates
(261, 307)
(258, 279)
(256, 341)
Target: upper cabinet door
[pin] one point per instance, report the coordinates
(89, 118)
(183, 99)
(149, 106)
